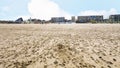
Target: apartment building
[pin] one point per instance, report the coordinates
(85, 19)
(114, 18)
(58, 19)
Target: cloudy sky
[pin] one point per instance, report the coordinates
(45, 9)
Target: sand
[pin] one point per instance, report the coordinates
(60, 46)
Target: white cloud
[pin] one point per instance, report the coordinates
(105, 13)
(45, 9)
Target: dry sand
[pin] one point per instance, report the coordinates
(60, 46)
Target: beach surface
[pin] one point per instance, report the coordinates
(59, 45)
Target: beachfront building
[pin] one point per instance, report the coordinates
(82, 19)
(19, 20)
(114, 18)
(85, 19)
(58, 20)
(73, 19)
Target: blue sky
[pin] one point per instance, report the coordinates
(10, 9)
(75, 6)
(44, 9)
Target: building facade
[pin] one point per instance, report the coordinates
(85, 19)
(114, 18)
(58, 19)
(73, 19)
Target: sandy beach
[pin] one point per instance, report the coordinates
(59, 45)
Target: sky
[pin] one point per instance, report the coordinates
(45, 9)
